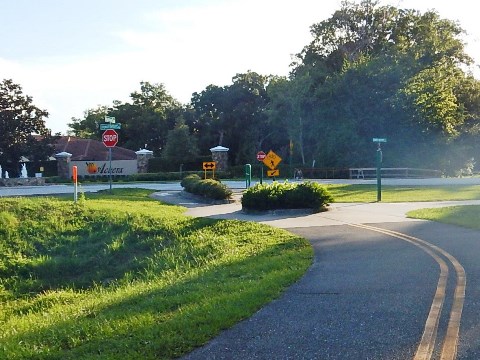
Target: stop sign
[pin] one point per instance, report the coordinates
(261, 155)
(110, 138)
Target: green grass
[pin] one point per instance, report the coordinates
(466, 216)
(124, 276)
(368, 193)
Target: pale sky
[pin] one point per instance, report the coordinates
(74, 55)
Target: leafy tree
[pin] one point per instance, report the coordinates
(381, 71)
(88, 127)
(145, 120)
(208, 121)
(233, 116)
(20, 121)
(181, 146)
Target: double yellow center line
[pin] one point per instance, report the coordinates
(427, 344)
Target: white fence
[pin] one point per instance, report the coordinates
(400, 173)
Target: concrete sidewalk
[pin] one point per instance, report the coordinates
(338, 213)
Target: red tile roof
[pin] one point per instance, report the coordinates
(93, 150)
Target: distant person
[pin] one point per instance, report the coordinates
(299, 174)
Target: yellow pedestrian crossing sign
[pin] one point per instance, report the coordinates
(272, 160)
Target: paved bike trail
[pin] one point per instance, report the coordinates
(366, 296)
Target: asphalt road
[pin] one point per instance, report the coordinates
(175, 186)
(367, 295)
(357, 301)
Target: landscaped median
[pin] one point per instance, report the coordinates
(123, 276)
(207, 188)
(277, 195)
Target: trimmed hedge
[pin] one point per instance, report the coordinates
(310, 195)
(208, 188)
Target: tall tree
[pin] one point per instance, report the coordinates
(88, 127)
(208, 122)
(145, 120)
(181, 146)
(373, 70)
(20, 121)
(233, 116)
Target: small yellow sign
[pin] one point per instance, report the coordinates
(275, 172)
(272, 160)
(209, 165)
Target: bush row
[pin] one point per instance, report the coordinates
(286, 195)
(212, 189)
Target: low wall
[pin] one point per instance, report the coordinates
(102, 168)
(22, 182)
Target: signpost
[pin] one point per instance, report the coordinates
(260, 157)
(379, 160)
(272, 160)
(110, 140)
(209, 165)
(75, 182)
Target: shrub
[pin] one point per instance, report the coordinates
(210, 188)
(277, 195)
(189, 180)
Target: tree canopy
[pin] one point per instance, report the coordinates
(378, 71)
(145, 120)
(20, 122)
(369, 71)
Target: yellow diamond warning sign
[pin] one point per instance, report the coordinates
(272, 160)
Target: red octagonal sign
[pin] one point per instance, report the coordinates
(261, 155)
(110, 138)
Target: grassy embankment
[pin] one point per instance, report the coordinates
(368, 193)
(125, 277)
(466, 216)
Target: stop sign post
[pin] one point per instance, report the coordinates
(260, 157)
(110, 140)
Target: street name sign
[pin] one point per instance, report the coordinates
(106, 126)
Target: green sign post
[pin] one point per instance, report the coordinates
(379, 160)
(248, 175)
(260, 157)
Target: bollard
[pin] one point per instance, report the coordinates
(248, 175)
